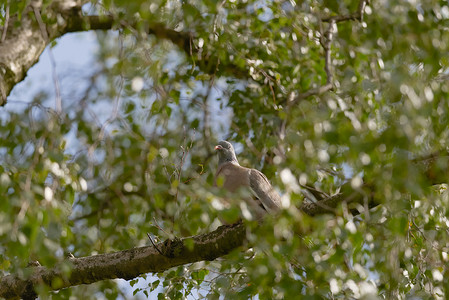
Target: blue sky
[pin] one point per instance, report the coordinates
(73, 52)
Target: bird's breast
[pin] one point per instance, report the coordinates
(234, 176)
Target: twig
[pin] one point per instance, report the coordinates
(91, 214)
(185, 152)
(205, 106)
(159, 227)
(154, 245)
(43, 28)
(196, 177)
(117, 102)
(326, 39)
(306, 207)
(114, 116)
(357, 16)
(58, 100)
(5, 27)
(272, 92)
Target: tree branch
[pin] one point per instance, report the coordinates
(126, 264)
(5, 28)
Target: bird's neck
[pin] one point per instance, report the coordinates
(232, 159)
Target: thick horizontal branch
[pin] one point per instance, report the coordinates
(126, 264)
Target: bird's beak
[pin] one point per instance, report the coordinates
(218, 147)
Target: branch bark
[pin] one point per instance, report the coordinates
(126, 264)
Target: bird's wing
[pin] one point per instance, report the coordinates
(262, 188)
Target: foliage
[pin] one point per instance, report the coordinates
(132, 151)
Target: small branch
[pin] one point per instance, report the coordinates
(434, 167)
(338, 19)
(357, 16)
(159, 227)
(326, 42)
(329, 204)
(42, 26)
(5, 28)
(206, 112)
(314, 92)
(326, 39)
(185, 152)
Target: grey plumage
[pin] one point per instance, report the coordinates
(235, 177)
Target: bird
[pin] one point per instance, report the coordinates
(235, 177)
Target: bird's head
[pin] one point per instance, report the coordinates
(225, 152)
